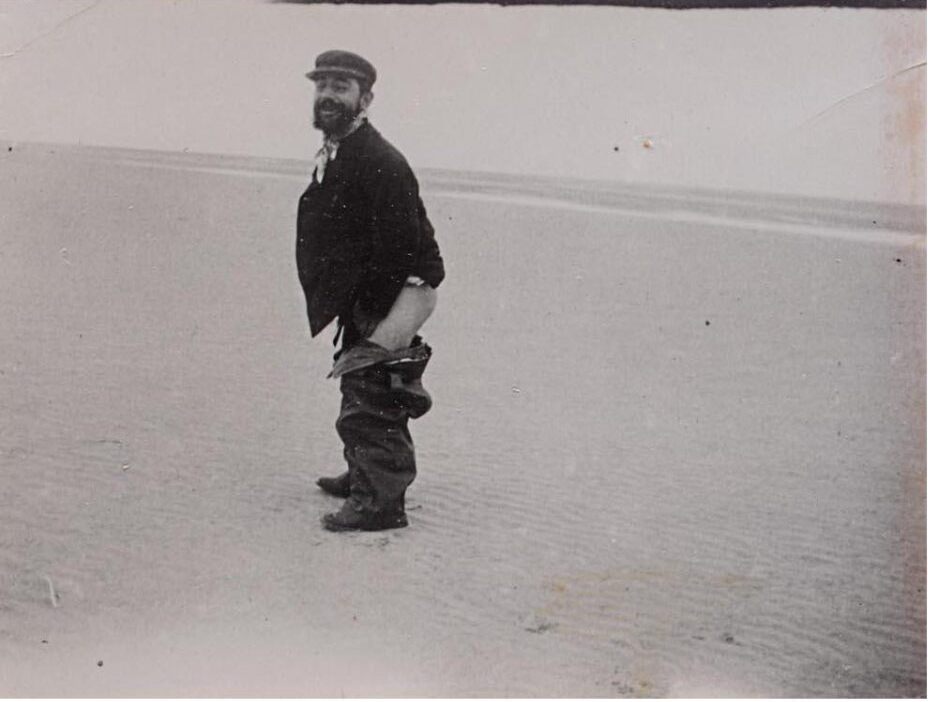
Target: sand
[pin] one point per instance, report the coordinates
(670, 455)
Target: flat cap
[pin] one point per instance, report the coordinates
(345, 64)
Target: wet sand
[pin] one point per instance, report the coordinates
(670, 454)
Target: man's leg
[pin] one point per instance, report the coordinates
(409, 312)
(373, 424)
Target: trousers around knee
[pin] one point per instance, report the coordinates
(377, 403)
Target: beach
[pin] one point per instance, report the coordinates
(677, 448)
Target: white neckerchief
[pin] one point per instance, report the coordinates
(329, 149)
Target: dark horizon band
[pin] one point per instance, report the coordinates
(656, 4)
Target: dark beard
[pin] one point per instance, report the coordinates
(337, 124)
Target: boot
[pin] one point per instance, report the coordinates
(337, 487)
(353, 517)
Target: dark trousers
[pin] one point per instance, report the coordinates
(377, 404)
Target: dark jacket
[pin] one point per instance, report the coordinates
(362, 232)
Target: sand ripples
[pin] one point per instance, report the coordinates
(615, 498)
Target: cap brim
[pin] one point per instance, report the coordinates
(338, 72)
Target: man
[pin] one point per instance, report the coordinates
(367, 256)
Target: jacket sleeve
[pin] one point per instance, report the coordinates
(395, 231)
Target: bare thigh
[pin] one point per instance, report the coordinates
(412, 307)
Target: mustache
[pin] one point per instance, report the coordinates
(329, 105)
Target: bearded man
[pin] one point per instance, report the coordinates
(367, 256)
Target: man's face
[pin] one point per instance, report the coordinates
(338, 102)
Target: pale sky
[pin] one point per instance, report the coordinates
(810, 101)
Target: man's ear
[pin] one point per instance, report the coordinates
(367, 99)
